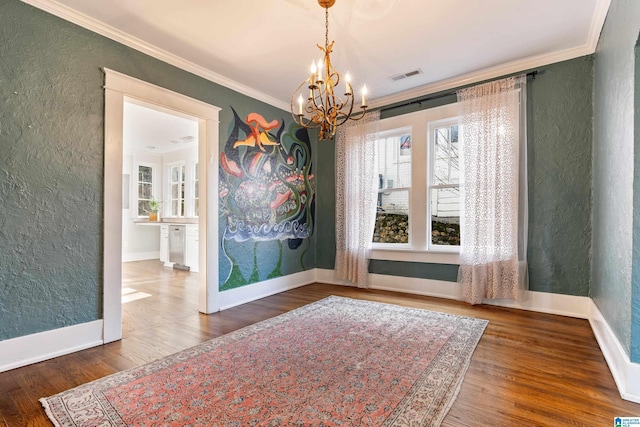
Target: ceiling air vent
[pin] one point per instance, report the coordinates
(402, 76)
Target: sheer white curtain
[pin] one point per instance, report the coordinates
(494, 191)
(356, 191)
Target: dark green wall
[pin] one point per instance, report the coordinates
(559, 115)
(615, 271)
(51, 162)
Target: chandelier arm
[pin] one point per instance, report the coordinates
(300, 119)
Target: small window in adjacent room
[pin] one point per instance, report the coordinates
(145, 188)
(444, 184)
(393, 162)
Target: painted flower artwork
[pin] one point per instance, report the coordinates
(266, 195)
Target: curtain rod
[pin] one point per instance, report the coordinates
(531, 74)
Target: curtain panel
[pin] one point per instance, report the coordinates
(494, 190)
(356, 191)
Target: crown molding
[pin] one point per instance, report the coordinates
(482, 75)
(602, 8)
(513, 67)
(68, 14)
(597, 23)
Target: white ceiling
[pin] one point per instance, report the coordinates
(264, 48)
(155, 131)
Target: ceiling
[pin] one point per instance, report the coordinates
(152, 130)
(264, 48)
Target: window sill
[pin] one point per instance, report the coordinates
(410, 255)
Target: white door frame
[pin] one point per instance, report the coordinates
(119, 87)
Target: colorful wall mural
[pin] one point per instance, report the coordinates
(267, 200)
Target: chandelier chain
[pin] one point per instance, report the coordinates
(326, 27)
(324, 109)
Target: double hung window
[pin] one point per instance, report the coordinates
(393, 162)
(444, 184)
(418, 213)
(146, 188)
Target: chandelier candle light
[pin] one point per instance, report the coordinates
(323, 108)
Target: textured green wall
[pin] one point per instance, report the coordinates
(615, 235)
(559, 124)
(559, 171)
(51, 162)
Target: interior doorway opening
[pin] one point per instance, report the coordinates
(120, 91)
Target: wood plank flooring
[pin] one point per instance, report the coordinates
(529, 369)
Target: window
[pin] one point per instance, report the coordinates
(145, 188)
(177, 189)
(418, 187)
(393, 162)
(444, 184)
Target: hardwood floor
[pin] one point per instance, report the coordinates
(529, 369)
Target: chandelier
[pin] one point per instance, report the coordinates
(323, 108)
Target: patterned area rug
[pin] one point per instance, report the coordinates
(338, 361)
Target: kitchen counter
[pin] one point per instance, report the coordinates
(168, 221)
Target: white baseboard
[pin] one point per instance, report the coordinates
(248, 293)
(546, 302)
(140, 256)
(625, 373)
(28, 349)
(564, 305)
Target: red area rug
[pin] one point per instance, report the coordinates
(336, 362)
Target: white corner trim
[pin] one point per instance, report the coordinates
(33, 348)
(75, 17)
(254, 291)
(512, 67)
(602, 8)
(625, 373)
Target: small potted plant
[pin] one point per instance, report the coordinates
(152, 210)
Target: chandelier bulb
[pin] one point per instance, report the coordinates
(319, 71)
(347, 80)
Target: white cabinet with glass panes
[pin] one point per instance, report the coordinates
(176, 190)
(196, 181)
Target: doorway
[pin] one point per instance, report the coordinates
(120, 89)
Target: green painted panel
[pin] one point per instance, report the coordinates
(445, 272)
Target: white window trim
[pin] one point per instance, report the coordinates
(417, 249)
